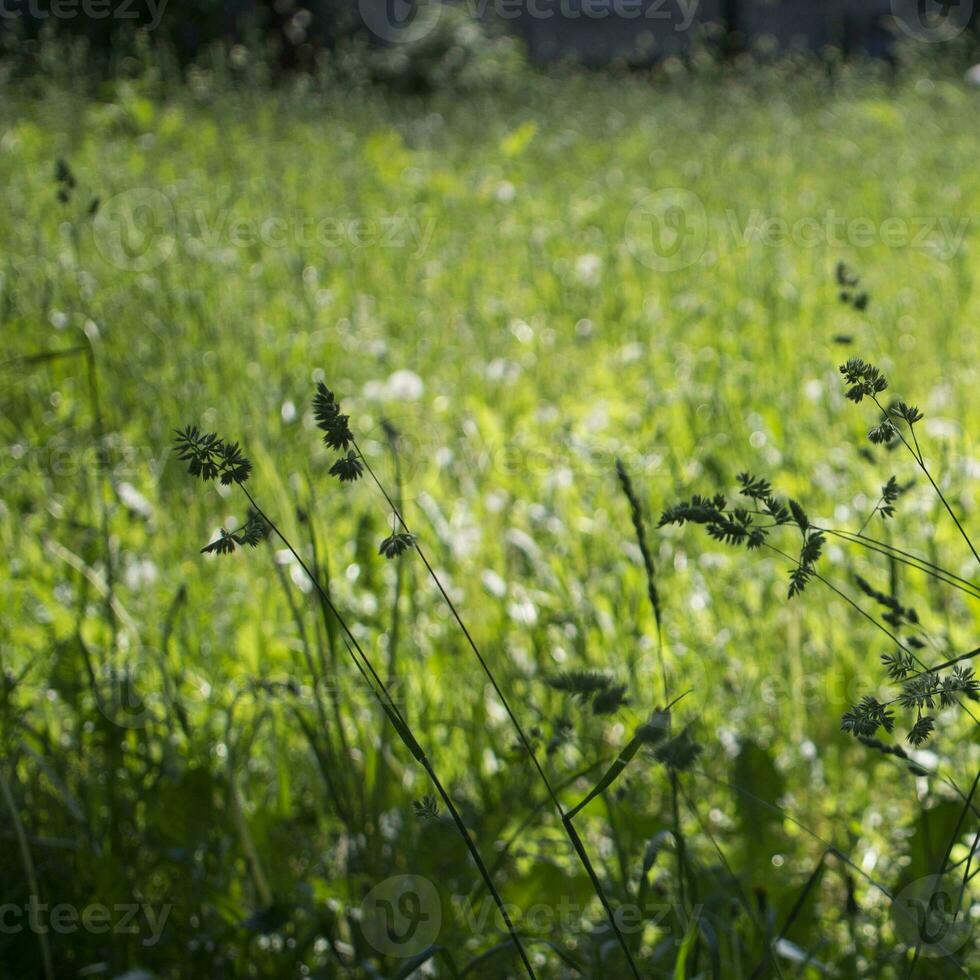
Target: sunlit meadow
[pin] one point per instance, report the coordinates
(483, 283)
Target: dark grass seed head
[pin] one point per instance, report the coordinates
(253, 532)
(208, 456)
(348, 468)
(396, 544)
(865, 379)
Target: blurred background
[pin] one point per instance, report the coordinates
(416, 44)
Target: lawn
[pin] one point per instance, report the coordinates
(506, 293)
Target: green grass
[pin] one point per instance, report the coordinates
(544, 349)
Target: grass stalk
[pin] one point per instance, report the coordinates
(904, 558)
(380, 691)
(920, 461)
(29, 873)
(570, 831)
(942, 867)
(639, 528)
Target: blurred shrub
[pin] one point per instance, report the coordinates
(409, 46)
(449, 49)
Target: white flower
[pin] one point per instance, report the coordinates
(494, 584)
(506, 192)
(134, 501)
(524, 612)
(139, 573)
(501, 369)
(405, 386)
(588, 269)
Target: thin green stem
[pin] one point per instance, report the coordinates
(29, 872)
(881, 547)
(484, 871)
(653, 594)
(871, 619)
(904, 558)
(954, 661)
(942, 867)
(570, 830)
(852, 603)
(867, 520)
(917, 456)
(391, 709)
(966, 872)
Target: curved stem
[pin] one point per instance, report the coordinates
(29, 872)
(917, 456)
(942, 868)
(478, 860)
(954, 661)
(378, 688)
(570, 831)
(871, 619)
(905, 558)
(851, 602)
(867, 520)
